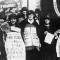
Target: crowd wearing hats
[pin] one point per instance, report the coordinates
(39, 35)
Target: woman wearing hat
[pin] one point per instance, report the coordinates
(29, 33)
(14, 45)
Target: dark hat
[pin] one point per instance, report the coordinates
(31, 12)
(24, 9)
(12, 16)
(47, 16)
(20, 15)
(2, 16)
(37, 10)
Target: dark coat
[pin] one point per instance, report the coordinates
(38, 28)
(2, 47)
(33, 55)
(48, 51)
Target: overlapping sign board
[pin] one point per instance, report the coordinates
(49, 37)
(30, 36)
(58, 47)
(15, 48)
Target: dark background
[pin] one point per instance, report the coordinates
(47, 8)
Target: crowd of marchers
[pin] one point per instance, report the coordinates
(35, 32)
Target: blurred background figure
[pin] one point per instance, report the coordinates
(2, 42)
(24, 11)
(37, 13)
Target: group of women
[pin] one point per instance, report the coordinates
(25, 36)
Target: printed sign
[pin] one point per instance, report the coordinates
(30, 36)
(49, 37)
(58, 47)
(15, 47)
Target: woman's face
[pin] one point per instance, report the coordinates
(36, 14)
(47, 21)
(13, 21)
(24, 12)
(30, 16)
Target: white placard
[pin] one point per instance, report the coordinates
(27, 36)
(15, 47)
(30, 36)
(35, 40)
(58, 47)
(49, 37)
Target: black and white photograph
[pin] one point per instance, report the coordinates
(29, 29)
